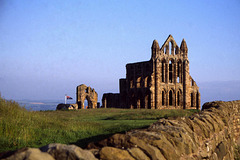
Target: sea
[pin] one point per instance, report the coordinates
(41, 105)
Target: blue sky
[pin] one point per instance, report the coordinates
(47, 48)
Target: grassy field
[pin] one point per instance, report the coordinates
(21, 128)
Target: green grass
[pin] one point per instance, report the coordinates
(21, 128)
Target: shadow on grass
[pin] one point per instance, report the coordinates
(95, 139)
(84, 142)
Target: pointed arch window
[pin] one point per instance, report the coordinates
(179, 72)
(170, 47)
(170, 71)
(192, 82)
(163, 71)
(176, 50)
(170, 98)
(192, 100)
(163, 98)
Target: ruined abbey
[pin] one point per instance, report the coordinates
(83, 92)
(163, 82)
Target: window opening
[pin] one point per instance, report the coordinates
(191, 99)
(170, 71)
(170, 47)
(178, 72)
(170, 98)
(86, 105)
(163, 103)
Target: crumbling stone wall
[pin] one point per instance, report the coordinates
(88, 93)
(211, 134)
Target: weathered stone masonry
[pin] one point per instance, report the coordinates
(211, 134)
(88, 93)
(163, 82)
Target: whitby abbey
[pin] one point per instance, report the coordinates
(163, 82)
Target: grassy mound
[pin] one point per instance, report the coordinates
(21, 128)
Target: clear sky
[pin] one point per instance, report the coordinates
(47, 48)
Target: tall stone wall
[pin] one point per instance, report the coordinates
(210, 134)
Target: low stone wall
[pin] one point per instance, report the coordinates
(210, 134)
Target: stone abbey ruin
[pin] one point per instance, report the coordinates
(163, 82)
(88, 93)
(82, 93)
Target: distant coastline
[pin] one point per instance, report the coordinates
(36, 103)
(41, 105)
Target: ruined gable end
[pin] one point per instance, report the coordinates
(163, 82)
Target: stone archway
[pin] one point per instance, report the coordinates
(86, 93)
(87, 103)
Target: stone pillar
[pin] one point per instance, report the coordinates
(131, 106)
(167, 71)
(180, 73)
(167, 98)
(186, 86)
(175, 99)
(163, 71)
(174, 72)
(94, 105)
(105, 103)
(157, 83)
(138, 104)
(152, 88)
(82, 104)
